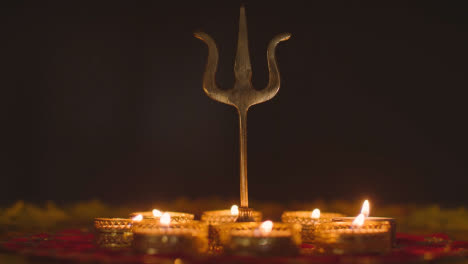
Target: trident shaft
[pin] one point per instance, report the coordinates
(243, 95)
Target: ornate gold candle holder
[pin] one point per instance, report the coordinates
(113, 232)
(309, 220)
(365, 210)
(261, 239)
(154, 237)
(389, 220)
(345, 238)
(216, 218)
(156, 214)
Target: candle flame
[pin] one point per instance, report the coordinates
(266, 227)
(165, 219)
(137, 218)
(359, 220)
(157, 213)
(234, 210)
(315, 213)
(365, 208)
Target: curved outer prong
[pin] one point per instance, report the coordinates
(209, 77)
(273, 85)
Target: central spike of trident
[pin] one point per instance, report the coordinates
(243, 95)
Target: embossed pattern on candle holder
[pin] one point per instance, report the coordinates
(177, 217)
(113, 232)
(246, 239)
(309, 224)
(151, 237)
(215, 219)
(344, 238)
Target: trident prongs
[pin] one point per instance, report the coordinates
(243, 95)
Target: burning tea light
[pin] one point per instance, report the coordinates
(137, 218)
(168, 237)
(359, 220)
(234, 210)
(156, 214)
(365, 211)
(265, 228)
(315, 214)
(165, 219)
(309, 220)
(264, 239)
(226, 216)
(216, 218)
(354, 237)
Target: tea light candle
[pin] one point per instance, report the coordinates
(365, 210)
(156, 214)
(114, 232)
(359, 236)
(309, 220)
(217, 217)
(166, 237)
(261, 239)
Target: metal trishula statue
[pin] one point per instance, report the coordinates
(243, 95)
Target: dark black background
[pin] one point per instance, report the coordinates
(104, 100)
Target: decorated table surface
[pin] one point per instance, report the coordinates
(78, 246)
(42, 234)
